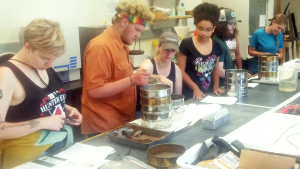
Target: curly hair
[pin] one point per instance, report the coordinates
(206, 11)
(135, 8)
(222, 31)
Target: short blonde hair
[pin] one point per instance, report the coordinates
(135, 8)
(45, 35)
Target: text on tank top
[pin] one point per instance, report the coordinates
(39, 102)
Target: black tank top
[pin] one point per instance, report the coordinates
(39, 102)
(172, 75)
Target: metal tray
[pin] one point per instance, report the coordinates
(161, 135)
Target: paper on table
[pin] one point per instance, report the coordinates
(219, 100)
(252, 85)
(85, 154)
(50, 160)
(255, 77)
(31, 165)
(72, 165)
(193, 113)
(197, 112)
(267, 132)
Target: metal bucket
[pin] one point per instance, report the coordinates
(236, 82)
(156, 105)
(165, 155)
(178, 100)
(157, 124)
(178, 107)
(156, 101)
(155, 91)
(156, 116)
(267, 66)
(162, 108)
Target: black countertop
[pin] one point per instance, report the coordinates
(242, 112)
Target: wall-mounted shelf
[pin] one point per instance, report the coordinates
(160, 16)
(189, 13)
(152, 2)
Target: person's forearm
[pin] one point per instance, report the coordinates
(19, 129)
(156, 76)
(188, 81)
(221, 72)
(68, 108)
(110, 89)
(216, 77)
(255, 53)
(281, 53)
(178, 89)
(239, 62)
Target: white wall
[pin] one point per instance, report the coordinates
(18, 13)
(294, 8)
(241, 8)
(146, 45)
(270, 9)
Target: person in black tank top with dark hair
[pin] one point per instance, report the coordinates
(162, 67)
(32, 98)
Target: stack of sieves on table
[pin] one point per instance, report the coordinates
(236, 82)
(156, 105)
(267, 66)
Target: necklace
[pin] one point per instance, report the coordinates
(44, 83)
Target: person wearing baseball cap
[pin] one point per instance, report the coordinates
(226, 31)
(161, 67)
(228, 15)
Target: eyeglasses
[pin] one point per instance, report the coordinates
(204, 30)
(232, 24)
(279, 28)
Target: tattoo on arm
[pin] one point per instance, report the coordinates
(32, 124)
(1, 94)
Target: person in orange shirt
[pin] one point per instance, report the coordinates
(109, 86)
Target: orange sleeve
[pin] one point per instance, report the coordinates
(98, 67)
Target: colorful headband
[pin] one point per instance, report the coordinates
(133, 19)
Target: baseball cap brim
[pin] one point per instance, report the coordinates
(233, 21)
(169, 46)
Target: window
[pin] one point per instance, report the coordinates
(257, 8)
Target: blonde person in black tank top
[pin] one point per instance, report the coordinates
(162, 67)
(32, 98)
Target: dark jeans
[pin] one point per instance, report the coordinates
(138, 112)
